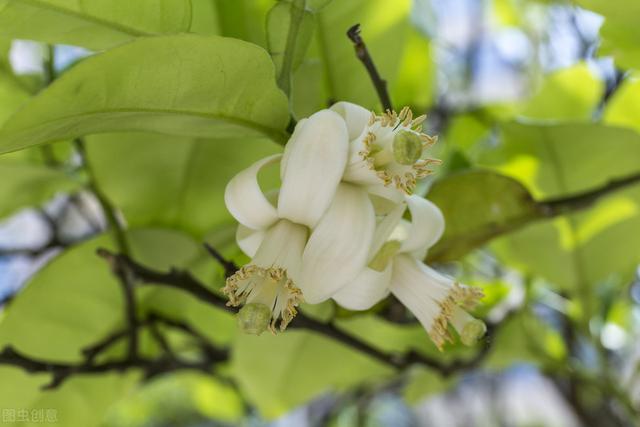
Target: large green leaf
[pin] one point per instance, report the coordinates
(75, 301)
(279, 25)
(584, 250)
(570, 93)
(95, 24)
(171, 181)
(278, 373)
(623, 109)
(589, 247)
(620, 31)
(556, 160)
(478, 206)
(24, 184)
(186, 85)
(12, 94)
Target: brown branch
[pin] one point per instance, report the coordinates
(230, 267)
(152, 367)
(568, 204)
(363, 55)
(184, 281)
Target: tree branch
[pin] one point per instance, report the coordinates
(184, 281)
(168, 361)
(363, 55)
(568, 204)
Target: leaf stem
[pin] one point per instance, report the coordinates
(296, 11)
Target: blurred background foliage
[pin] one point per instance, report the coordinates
(537, 108)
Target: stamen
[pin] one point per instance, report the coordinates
(451, 312)
(393, 146)
(268, 287)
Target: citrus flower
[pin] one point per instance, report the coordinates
(387, 149)
(394, 266)
(308, 239)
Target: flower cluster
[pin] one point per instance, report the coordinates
(344, 225)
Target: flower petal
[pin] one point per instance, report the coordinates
(246, 201)
(354, 115)
(427, 225)
(338, 247)
(315, 164)
(367, 289)
(287, 148)
(249, 240)
(385, 228)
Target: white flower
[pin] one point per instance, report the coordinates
(394, 266)
(387, 149)
(306, 241)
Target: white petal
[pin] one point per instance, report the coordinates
(249, 240)
(287, 148)
(283, 247)
(315, 164)
(385, 228)
(366, 290)
(415, 290)
(246, 201)
(354, 115)
(427, 225)
(384, 198)
(338, 247)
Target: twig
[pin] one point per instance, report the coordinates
(563, 205)
(230, 267)
(184, 281)
(363, 55)
(296, 15)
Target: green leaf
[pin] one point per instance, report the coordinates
(390, 40)
(183, 181)
(556, 160)
(570, 93)
(23, 185)
(279, 25)
(184, 85)
(584, 250)
(589, 247)
(498, 204)
(620, 32)
(279, 373)
(178, 396)
(96, 24)
(81, 401)
(623, 109)
(75, 301)
(12, 94)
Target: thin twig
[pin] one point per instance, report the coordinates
(363, 55)
(184, 281)
(230, 267)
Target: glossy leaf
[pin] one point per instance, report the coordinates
(623, 109)
(23, 185)
(498, 204)
(97, 24)
(183, 181)
(556, 160)
(185, 85)
(620, 31)
(278, 373)
(570, 93)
